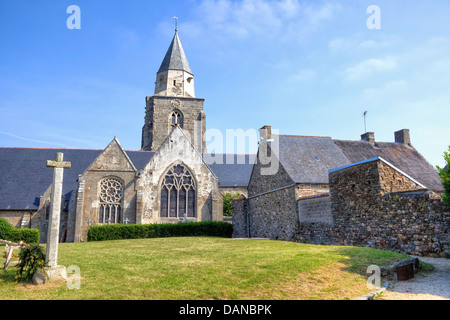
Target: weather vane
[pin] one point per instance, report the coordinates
(176, 23)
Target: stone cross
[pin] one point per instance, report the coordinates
(55, 208)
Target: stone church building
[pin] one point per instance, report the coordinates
(167, 181)
(323, 190)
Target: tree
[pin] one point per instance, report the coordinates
(227, 204)
(444, 173)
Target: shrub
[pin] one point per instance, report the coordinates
(8, 232)
(139, 231)
(227, 203)
(444, 173)
(5, 228)
(26, 235)
(32, 258)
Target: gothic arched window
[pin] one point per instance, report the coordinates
(176, 118)
(111, 195)
(178, 193)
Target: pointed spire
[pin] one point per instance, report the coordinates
(175, 58)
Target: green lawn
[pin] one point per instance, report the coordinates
(206, 268)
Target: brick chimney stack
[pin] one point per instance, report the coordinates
(368, 136)
(265, 134)
(402, 136)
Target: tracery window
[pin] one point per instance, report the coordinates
(178, 193)
(111, 195)
(177, 118)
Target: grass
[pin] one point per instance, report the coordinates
(206, 268)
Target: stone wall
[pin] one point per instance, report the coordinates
(271, 205)
(239, 218)
(315, 210)
(15, 217)
(273, 215)
(392, 180)
(371, 208)
(158, 122)
(371, 204)
(177, 150)
(84, 205)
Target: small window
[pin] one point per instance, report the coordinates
(174, 82)
(176, 119)
(317, 158)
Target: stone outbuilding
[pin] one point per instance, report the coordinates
(365, 193)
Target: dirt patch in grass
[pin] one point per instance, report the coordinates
(329, 282)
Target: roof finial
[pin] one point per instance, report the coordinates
(176, 23)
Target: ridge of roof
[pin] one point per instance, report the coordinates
(301, 136)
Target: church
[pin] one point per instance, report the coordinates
(171, 179)
(167, 181)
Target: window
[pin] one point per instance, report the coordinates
(174, 82)
(111, 194)
(178, 194)
(176, 119)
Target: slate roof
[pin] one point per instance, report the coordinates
(232, 170)
(308, 159)
(175, 58)
(402, 156)
(24, 176)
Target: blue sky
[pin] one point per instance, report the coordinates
(303, 67)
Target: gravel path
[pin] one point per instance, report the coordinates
(433, 286)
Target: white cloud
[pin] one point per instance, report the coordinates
(269, 18)
(369, 67)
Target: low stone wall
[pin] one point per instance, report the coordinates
(239, 208)
(411, 223)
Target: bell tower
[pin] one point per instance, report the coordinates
(174, 77)
(174, 102)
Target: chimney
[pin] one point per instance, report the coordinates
(368, 136)
(265, 134)
(402, 136)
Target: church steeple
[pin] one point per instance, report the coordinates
(174, 102)
(175, 77)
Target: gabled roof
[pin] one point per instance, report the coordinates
(402, 156)
(175, 58)
(308, 159)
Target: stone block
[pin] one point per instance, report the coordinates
(54, 274)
